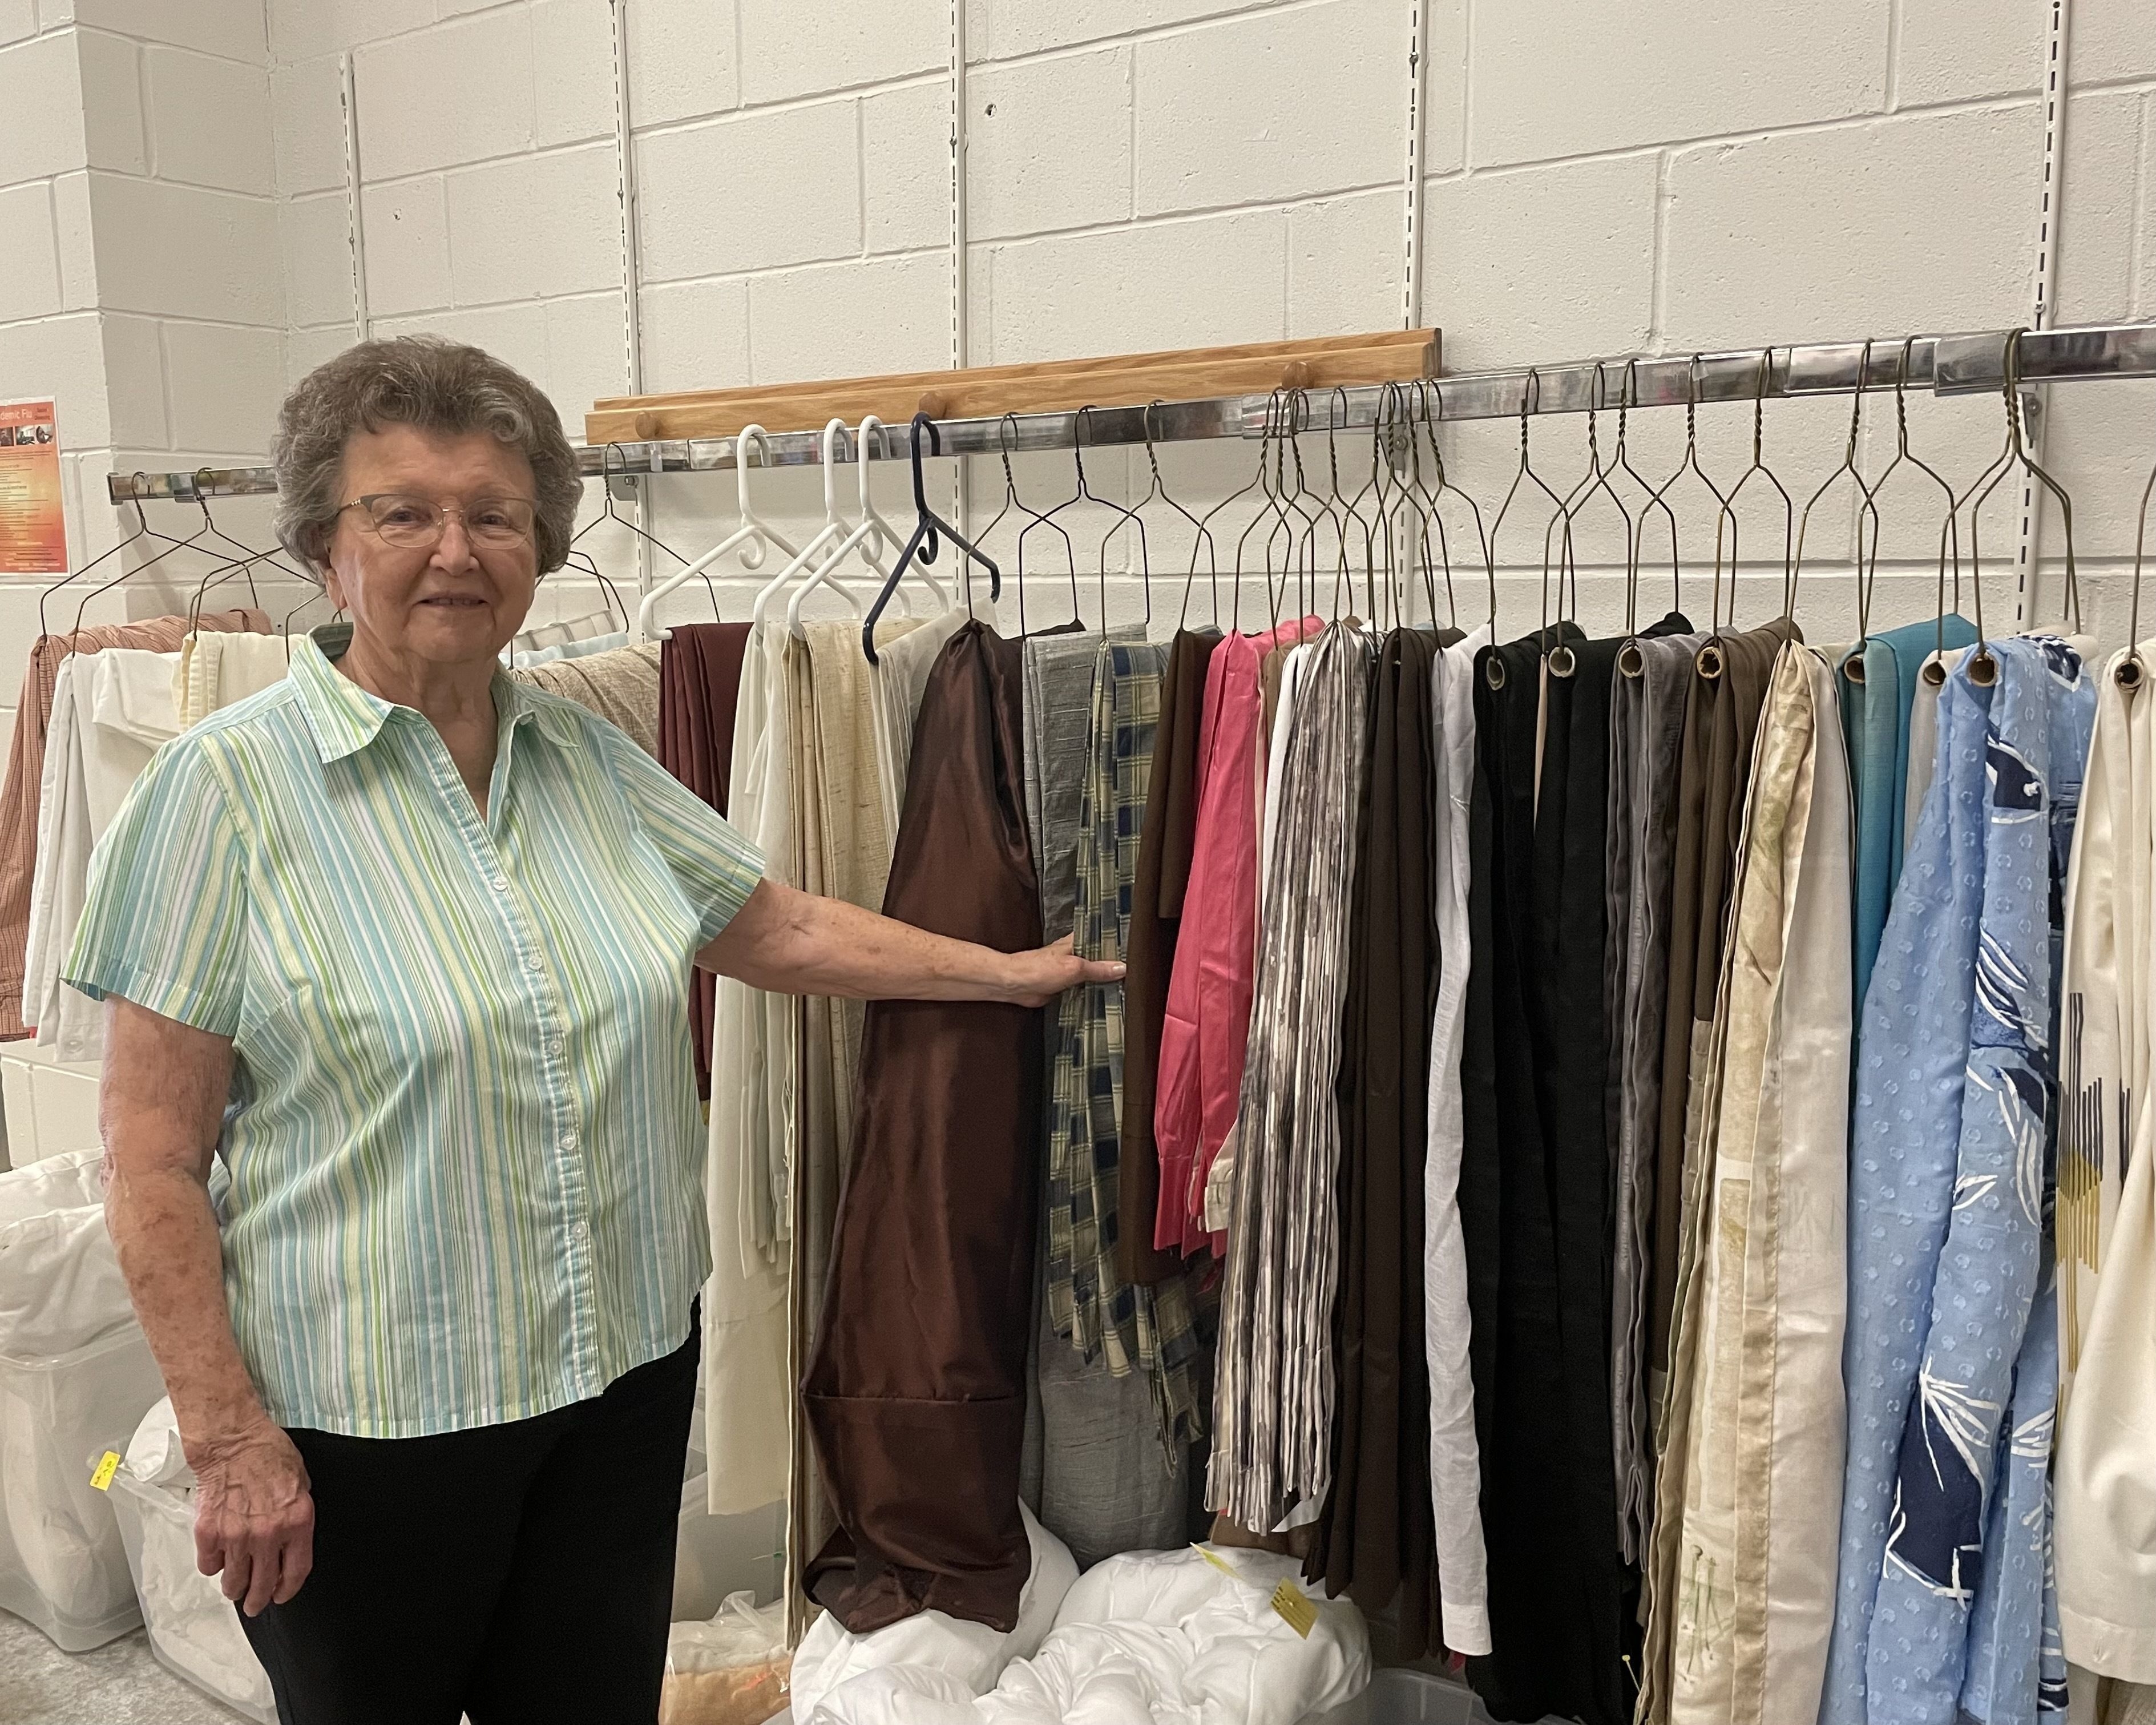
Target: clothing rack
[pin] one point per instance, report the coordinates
(1945, 365)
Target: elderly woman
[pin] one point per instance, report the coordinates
(403, 1144)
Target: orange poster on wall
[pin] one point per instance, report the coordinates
(33, 519)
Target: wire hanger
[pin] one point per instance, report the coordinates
(1759, 467)
(1628, 659)
(607, 455)
(923, 543)
(1866, 507)
(1982, 664)
(1949, 525)
(751, 539)
(1530, 390)
(1007, 437)
(1562, 662)
(1708, 661)
(1432, 415)
(1127, 517)
(1262, 482)
(142, 531)
(1399, 438)
(171, 546)
(1158, 489)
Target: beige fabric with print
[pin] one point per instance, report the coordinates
(1748, 1526)
(621, 686)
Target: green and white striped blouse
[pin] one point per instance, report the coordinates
(460, 1177)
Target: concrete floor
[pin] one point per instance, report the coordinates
(120, 1683)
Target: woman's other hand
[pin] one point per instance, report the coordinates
(1038, 977)
(255, 1519)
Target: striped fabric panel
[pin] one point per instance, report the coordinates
(460, 1178)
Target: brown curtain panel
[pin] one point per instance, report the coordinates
(915, 1392)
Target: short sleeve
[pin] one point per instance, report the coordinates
(717, 868)
(165, 922)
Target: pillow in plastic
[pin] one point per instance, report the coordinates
(154, 1455)
(968, 1657)
(65, 1182)
(60, 1286)
(1162, 1637)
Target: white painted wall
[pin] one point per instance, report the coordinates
(1603, 178)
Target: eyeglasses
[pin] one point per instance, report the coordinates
(416, 523)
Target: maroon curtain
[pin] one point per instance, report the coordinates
(699, 667)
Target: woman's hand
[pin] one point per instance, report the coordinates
(1038, 977)
(791, 942)
(255, 1519)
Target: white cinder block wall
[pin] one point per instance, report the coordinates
(1602, 178)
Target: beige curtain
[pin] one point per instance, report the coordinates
(1742, 1561)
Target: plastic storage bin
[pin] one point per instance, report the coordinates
(1400, 1695)
(61, 1563)
(718, 1556)
(75, 1378)
(193, 1630)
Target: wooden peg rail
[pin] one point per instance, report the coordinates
(989, 391)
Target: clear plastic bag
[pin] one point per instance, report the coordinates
(733, 1669)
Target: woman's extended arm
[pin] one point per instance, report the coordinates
(793, 942)
(161, 1103)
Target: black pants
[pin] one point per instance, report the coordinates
(521, 1574)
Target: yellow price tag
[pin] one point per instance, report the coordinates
(1217, 1561)
(1295, 1605)
(108, 1464)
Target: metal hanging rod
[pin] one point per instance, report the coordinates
(1945, 365)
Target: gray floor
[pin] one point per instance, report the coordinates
(120, 1683)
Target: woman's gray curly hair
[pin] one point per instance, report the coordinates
(435, 385)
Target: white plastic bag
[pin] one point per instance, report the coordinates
(730, 1670)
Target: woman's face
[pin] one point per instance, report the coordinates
(456, 601)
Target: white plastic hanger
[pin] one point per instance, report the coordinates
(830, 534)
(825, 574)
(751, 538)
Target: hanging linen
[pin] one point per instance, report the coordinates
(2017, 1668)
(2106, 1220)
(1948, 1172)
(1165, 844)
(1879, 681)
(1117, 1437)
(1646, 739)
(25, 775)
(215, 670)
(842, 851)
(700, 672)
(588, 626)
(621, 686)
(1721, 719)
(1273, 1390)
(750, 1411)
(899, 676)
(918, 1403)
(1454, 1457)
(1279, 726)
(1741, 1576)
(1205, 1030)
(111, 710)
(1534, 1185)
(1375, 1536)
(2111, 910)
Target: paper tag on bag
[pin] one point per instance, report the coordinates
(1295, 1607)
(100, 1478)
